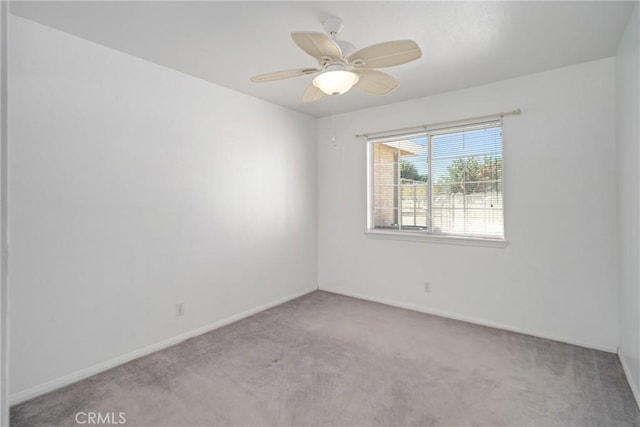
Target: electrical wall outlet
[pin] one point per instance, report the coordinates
(179, 308)
(427, 287)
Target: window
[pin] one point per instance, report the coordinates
(443, 182)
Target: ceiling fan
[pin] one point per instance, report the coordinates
(340, 68)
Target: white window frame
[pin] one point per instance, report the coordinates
(429, 236)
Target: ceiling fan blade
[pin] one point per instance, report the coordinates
(312, 94)
(376, 82)
(318, 45)
(386, 54)
(278, 75)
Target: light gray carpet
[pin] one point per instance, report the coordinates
(329, 360)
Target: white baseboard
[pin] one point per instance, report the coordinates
(49, 386)
(468, 319)
(627, 373)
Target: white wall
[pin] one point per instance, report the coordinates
(557, 277)
(4, 404)
(133, 186)
(628, 136)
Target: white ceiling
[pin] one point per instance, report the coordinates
(464, 43)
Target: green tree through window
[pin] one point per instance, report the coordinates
(408, 171)
(472, 176)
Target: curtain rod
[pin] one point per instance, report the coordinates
(425, 127)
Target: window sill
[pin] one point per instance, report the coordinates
(432, 238)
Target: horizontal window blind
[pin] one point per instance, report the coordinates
(445, 181)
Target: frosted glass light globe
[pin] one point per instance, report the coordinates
(335, 82)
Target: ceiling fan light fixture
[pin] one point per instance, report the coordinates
(340, 68)
(335, 82)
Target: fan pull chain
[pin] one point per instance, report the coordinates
(333, 130)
